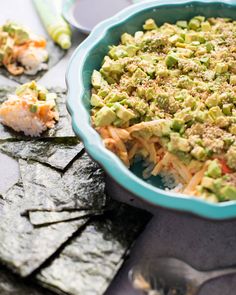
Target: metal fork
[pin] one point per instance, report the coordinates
(172, 276)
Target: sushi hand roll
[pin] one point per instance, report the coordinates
(21, 51)
(32, 110)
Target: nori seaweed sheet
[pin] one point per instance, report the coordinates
(85, 184)
(52, 152)
(13, 285)
(63, 127)
(44, 217)
(55, 55)
(24, 248)
(89, 263)
(81, 187)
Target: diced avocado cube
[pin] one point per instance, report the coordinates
(233, 80)
(182, 95)
(212, 101)
(162, 128)
(182, 24)
(214, 113)
(96, 79)
(200, 18)
(105, 116)
(181, 45)
(221, 68)
(231, 157)
(185, 82)
(177, 124)
(8, 48)
(178, 143)
(209, 47)
(33, 108)
(149, 58)
(3, 37)
(117, 52)
(232, 66)
(118, 122)
(228, 140)
(214, 169)
(1, 56)
(10, 28)
(149, 25)
(200, 38)
(222, 121)
(123, 113)
(42, 95)
(190, 102)
(209, 75)
(148, 68)
(232, 129)
(21, 36)
(200, 116)
(131, 50)
(189, 38)
(199, 153)
(186, 115)
(106, 63)
(195, 43)
(194, 24)
(139, 75)
(138, 35)
(127, 39)
(96, 101)
(171, 60)
(205, 26)
(205, 60)
(162, 71)
(22, 89)
(114, 96)
(208, 183)
(116, 67)
(227, 109)
(149, 93)
(185, 52)
(176, 38)
(32, 85)
(228, 192)
(141, 91)
(103, 92)
(131, 67)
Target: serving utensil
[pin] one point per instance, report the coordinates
(172, 276)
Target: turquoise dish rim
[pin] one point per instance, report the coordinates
(93, 143)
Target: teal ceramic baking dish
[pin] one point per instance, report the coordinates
(88, 57)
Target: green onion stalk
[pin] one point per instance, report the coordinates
(50, 14)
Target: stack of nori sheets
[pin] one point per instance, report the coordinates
(58, 228)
